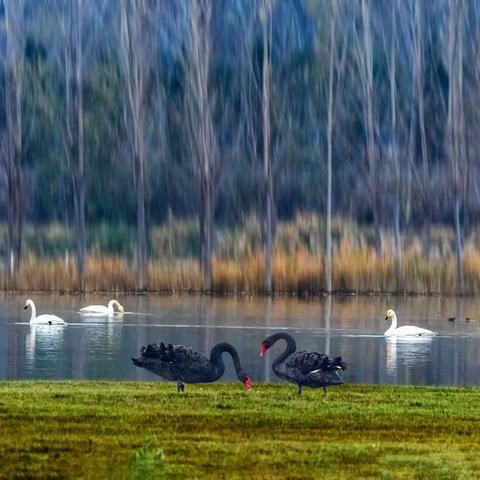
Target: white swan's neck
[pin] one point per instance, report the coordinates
(393, 326)
(110, 309)
(34, 311)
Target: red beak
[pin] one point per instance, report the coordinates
(248, 385)
(264, 349)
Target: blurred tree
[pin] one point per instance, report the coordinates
(74, 139)
(135, 52)
(455, 135)
(364, 51)
(391, 46)
(223, 112)
(266, 19)
(202, 137)
(419, 79)
(12, 139)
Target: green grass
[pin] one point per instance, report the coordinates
(147, 430)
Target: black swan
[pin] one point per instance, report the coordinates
(184, 364)
(305, 369)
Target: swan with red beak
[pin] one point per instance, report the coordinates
(184, 364)
(304, 369)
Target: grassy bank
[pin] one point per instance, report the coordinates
(238, 264)
(131, 430)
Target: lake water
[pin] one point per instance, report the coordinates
(96, 348)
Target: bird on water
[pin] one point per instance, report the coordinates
(407, 330)
(45, 319)
(304, 369)
(102, 309)
(184, 364)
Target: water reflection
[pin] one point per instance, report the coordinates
(391, 359)
(268, 319)
(100, 348)
(104, 336)
(41, 343)
(328, 319)
(410, 352)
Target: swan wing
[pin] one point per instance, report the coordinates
(310, 362)
(175, 361)
(94, 309)
(306, 362)
(173, 354)
(47, 319)
(190, 365)
(184, 355)
(323, 378)
(411, 330)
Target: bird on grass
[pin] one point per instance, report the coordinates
(304, 369)
(184, 364)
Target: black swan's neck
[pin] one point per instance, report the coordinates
(217, 360)
(291, 346)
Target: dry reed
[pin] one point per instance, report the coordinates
(298, 263)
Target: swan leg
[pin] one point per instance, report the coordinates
(299, 390)
(180, 386)
(324, 391)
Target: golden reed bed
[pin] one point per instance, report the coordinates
(298, 263)
(358, 270)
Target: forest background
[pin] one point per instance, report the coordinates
(293, 146)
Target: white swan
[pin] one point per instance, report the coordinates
(46, 319)
(102, 309)
(404, 331)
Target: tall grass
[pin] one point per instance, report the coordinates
(146, 463)
(298, 263)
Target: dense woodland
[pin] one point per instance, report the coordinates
(132, 112)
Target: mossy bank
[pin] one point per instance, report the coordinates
(148, 430)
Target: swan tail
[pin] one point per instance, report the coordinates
(330, 365)
(138, 362)
(339, 363)
(152, 352)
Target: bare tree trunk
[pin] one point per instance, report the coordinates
(418, 74)
(462, 149)
(455, 123)
(395, 159)
(410, 162)
(79, 177)
(205, 223)
(141, 224)
(13, 117)
(71, 22)
(207, 234)
(134, 48)
(328, 252)
(267, 168)
(458, 245)
(364, 50)
(201, 130)
(371, 145)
